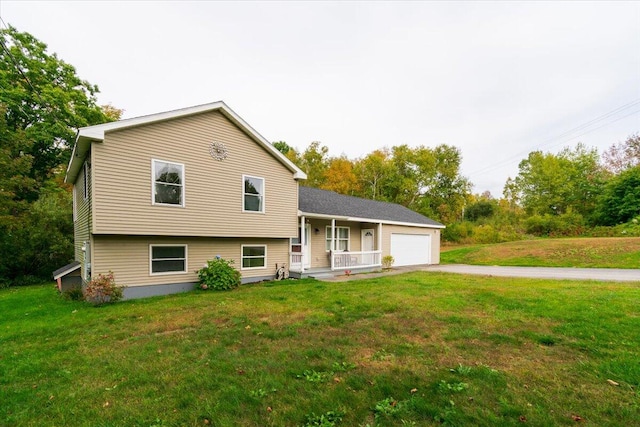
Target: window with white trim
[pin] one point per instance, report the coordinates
(85, 181)
(342, 238)
(75, 203)
(168, 259)
(254, 256)
(253, 194)
(168, 183)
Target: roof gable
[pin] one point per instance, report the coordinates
(96, 133)
(323, 202)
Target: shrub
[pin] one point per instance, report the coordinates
(218, 275)
(457, 232)
(387, 261)
(486, 234)
(73, 294)
(102, 290)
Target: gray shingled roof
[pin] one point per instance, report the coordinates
(315, 201)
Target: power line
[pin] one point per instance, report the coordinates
(551, 142)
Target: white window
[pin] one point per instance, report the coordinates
(254, 256)
(75, 202)
(168, 183)
(253, 194)
(342, 238)
(167, 259)
(85, 181)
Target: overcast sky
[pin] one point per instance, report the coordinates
(496, 79)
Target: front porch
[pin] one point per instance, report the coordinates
(329, 245)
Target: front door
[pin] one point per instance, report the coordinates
(368, 245)
(298, 248)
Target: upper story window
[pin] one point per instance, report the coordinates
(168, 183)
(342, 238)
(75, 203)
(85, 181)
(253, 194)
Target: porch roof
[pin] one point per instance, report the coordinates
(313, 201)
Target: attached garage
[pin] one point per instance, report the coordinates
(410, 249)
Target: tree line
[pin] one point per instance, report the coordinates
(43, 102)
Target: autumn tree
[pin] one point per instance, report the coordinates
(623, 155)
(340, 176)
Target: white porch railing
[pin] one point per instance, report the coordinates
(341, 260)
(295, 261)
(348, 260)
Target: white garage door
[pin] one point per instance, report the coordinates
(410, 249)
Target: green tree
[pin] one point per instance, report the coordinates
(45, 99)
(42, 103)
(314, 162)
(559, 183)
(282, 147)
(620, 200)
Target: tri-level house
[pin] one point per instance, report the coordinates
(155, 197)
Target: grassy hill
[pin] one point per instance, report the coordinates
(415, 349)
(605, 252)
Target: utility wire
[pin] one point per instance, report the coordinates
(551, 142)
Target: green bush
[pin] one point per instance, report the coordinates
(102, 290)
(219, 275)
(457, 232)
(569, 224)
(486, 234)
(73, 294)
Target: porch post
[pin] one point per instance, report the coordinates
(380, 242)
(333, 242)
(302, 242)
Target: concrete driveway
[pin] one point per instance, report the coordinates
(606, 274)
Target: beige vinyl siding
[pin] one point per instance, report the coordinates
(82, 224)
(128, 257)
(319, 254)
(213, 190)
(387, 230)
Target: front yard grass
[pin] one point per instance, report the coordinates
(588, 252)
(414, 349)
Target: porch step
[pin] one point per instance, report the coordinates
(321, 275)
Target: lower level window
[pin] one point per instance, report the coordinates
(168, 259)
(254, 256)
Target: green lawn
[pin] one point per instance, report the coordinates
(415, 349)
(604, 252)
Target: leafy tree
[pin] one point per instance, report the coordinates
(480, 209)
(620, 200)
(314, 162)
(623, 155)
(42, 102)
(45, 99)
(558, 183)
(340, 176)
(282, 147)
(373, 172)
